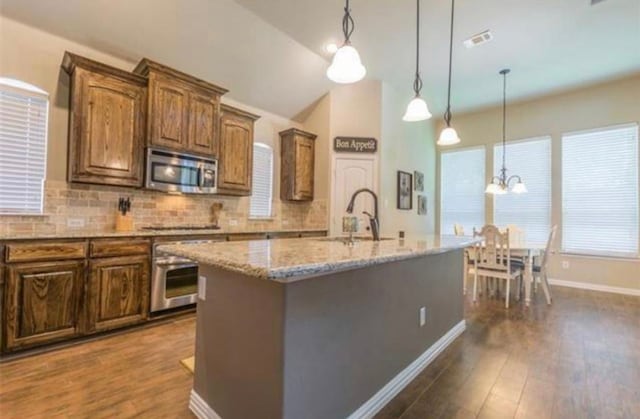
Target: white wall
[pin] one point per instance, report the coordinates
(600, 105)
(371, 108)
(406, 146)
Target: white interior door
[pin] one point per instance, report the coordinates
(352, 174)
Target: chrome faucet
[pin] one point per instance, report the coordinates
(373, 219)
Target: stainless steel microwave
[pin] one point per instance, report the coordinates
(178, 172)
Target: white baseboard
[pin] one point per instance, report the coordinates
(594, 287)
(400, 381)
(202, 410)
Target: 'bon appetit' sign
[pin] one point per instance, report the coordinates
(355, 144)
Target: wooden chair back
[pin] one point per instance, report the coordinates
(495, 252)
(516, 236)
(547, 250)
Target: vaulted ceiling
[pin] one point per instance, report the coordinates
(270, 53)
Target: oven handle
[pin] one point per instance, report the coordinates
(175, 265)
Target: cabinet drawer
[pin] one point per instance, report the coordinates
(29, 252)
(246, 236)
(107, 248)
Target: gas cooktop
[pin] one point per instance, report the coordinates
(188, 227)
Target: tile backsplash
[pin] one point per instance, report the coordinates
(94, 208)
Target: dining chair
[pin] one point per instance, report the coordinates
(517, 236)
(493, 259)
(540, 270)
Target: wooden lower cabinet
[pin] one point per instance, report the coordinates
(118, 293)
(42, 302)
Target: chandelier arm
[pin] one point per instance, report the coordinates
(512, 177)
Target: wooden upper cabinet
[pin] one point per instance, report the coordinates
(203, 124)
(183, 110)
(42, 302)
(297, 149)
(169, 113)
(107, 123)
(236, 151)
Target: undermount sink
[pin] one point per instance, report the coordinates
(344, 239)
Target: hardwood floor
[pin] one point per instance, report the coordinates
(579, 358)
(133, 374)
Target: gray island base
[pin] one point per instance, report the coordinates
(340, 339)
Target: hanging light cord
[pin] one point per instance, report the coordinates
(504, 120)
(348, 25)
(447, 114)
(417, 83)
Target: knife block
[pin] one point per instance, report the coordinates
(124, 223)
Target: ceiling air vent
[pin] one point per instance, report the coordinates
(479, 39)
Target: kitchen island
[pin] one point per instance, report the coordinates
(320, 327)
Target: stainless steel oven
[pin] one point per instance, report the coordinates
(177, 172)
(174, 280)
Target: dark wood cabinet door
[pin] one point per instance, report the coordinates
(118, 292)
(236, 155)
(203, 121)
(42, 302)
(297, 158)
(169, 113)
(304, 155)
(108, 127)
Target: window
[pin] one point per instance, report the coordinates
(462, 189)
(23, 146)
(260, 203)
(600, 191)
(531, 212)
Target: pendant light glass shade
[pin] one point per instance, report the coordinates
(448, 136)
(519, 188)
(346, 66)
(417, 110)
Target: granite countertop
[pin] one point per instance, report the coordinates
(294, 259)
(80, 233)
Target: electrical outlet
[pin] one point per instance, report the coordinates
(202, 287)
(233, 222)
(75, 222)
(565, 264)
(423, 316)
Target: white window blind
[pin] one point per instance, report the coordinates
(260, 203)
(600, 191)
(531, 211)
(462, 179)
(23, 147)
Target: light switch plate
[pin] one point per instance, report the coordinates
(423, 316)
(202, 287)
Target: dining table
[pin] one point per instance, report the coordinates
(526, 252)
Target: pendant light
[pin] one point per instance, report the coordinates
(346, 66)
(500, 184)
(449, 136)
(417, 109)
